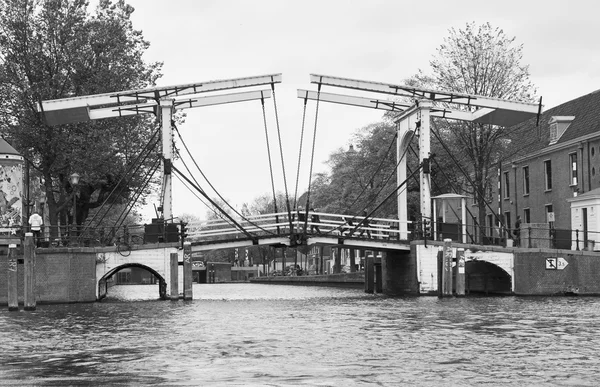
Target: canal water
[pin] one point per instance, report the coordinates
(277, 335)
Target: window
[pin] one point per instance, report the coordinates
(507, 221)
(506, 186)
(490, 219)
(526, 215)
(548, 174)
(573, 164)
(526, 180)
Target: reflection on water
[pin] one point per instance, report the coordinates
(251, 334)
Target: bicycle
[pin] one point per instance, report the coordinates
(125, 242)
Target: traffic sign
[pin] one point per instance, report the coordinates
(561, 263)
(551, 264)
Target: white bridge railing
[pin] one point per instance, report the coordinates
(279, 224)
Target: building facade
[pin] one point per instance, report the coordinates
(550, 163)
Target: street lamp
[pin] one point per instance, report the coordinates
(74, 179)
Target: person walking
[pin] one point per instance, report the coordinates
(517, 231)
(314, 219)
(365, 226)
(35, 225)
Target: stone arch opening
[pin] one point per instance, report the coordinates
(485, 277)
(103, 288)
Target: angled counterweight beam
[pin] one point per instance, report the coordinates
(379, 104)
(503, 112)
(76, 109)
(178, 103)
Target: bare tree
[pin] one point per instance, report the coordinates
(480, 60)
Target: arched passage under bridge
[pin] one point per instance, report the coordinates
(103, 286)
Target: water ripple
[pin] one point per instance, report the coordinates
(248, 334)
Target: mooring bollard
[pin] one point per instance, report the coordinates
(460, 272)
(29, 266)
(447, 268)
(187, 271)
(369, 275)
(12, 279)
(174, 296)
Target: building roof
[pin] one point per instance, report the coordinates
(7, 149)
(593, 194)
(527, 138)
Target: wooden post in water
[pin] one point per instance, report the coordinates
(29, 265)
(378, 278)
(447, 268)
(440, 269)
(352, 260)
(12, 281)
(321, 263)
(369, 275)
(188, 276)
(460, 272)
(337, 266)
(174, 296)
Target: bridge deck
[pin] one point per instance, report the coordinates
(320, 228)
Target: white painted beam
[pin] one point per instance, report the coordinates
(179, 103)
(155, 93)
(380, 104)
(507, 112)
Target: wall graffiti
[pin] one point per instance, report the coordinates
(11, 189)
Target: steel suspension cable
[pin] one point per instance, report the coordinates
(198, 185)
(287, 196)
(210, 184)
(262, 101)
(240, 227)
(385, 200)
(149, 147)
(391, 175)
(300, 152)
(201, 200)
(312, 158)
(376, 172)
(131, 204)
(482, 197)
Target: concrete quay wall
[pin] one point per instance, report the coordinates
(61, 276)
(354, 280)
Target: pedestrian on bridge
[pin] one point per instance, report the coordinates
(314, 219)
(35, 224)
(365, 224)
(347, 226)
(301, 218)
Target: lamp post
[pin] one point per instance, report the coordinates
(74, 179)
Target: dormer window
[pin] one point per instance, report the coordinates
(558, 125)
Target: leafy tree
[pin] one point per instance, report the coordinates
(481, 60)
(361, 177)
(56, 49)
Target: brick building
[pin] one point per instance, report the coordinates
(548, 164)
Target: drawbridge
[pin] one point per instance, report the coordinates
(414, 107)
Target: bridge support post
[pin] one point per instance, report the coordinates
(399, 273)
(447, 268)
(12, 279)
(460, 272)
(321, 263)
(174, 294)
(187, 271)
(337, 266)
(378, 277)
(369, 274)
(352, 260)
(29, 265)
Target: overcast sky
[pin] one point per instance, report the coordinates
(383, 41)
